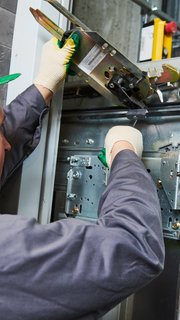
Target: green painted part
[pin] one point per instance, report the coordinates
(76, 38)
(9, 77)
(60, 43)
(102, 157)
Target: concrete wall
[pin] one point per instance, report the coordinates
(118, 21)
(7, 18)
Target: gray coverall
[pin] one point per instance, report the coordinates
(73, 269)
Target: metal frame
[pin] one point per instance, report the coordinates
(25, 58)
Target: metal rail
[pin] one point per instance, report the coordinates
(68, 15)
(155, 11)
(168, 110)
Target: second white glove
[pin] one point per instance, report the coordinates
(125, 133)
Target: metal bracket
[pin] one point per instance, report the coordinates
(80, 161)
(126, 89)
(169, 175)
(137, 114)
(87, 179)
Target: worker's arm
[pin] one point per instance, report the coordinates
(45, 92)
(79, 270)
(22, 125)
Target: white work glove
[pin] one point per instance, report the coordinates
(55, 62)
(125, 133)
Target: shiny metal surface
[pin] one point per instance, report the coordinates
(98, 62)
(48, 24)
(101, 65)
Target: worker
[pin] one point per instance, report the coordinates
(74, 269)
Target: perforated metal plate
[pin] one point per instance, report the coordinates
(86, 178)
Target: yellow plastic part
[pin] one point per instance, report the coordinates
(157, 50)
(168, 44)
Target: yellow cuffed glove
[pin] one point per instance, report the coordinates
(123, 133)
(55, 62)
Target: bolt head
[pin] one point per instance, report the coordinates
(111, 85)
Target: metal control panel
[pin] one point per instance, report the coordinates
(81, 178)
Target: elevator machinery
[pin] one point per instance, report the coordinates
(144, 95)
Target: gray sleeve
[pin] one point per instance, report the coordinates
(22, 127)
(71, 269)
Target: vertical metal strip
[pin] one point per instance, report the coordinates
(52, 142)
(28, 48)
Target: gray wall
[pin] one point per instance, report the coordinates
(7, 19)
(118, 21)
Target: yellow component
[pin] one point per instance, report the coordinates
(158, 40)
(167, 74)
(170, 74)
(167, 46)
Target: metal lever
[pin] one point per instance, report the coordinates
(48, 24)
(98, 62)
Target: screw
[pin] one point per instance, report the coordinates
(159, 184)
(176, 225)
(71, 196)
(89, 141)
(111, 69)
(131, 86)
(154, 8)
(113, 52)
(171, 174)
(76, 174)
(65, 141)
(111, 85)
(75, 210)
(104, 46)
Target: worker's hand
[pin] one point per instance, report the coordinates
(120, 138)
(55, 62)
